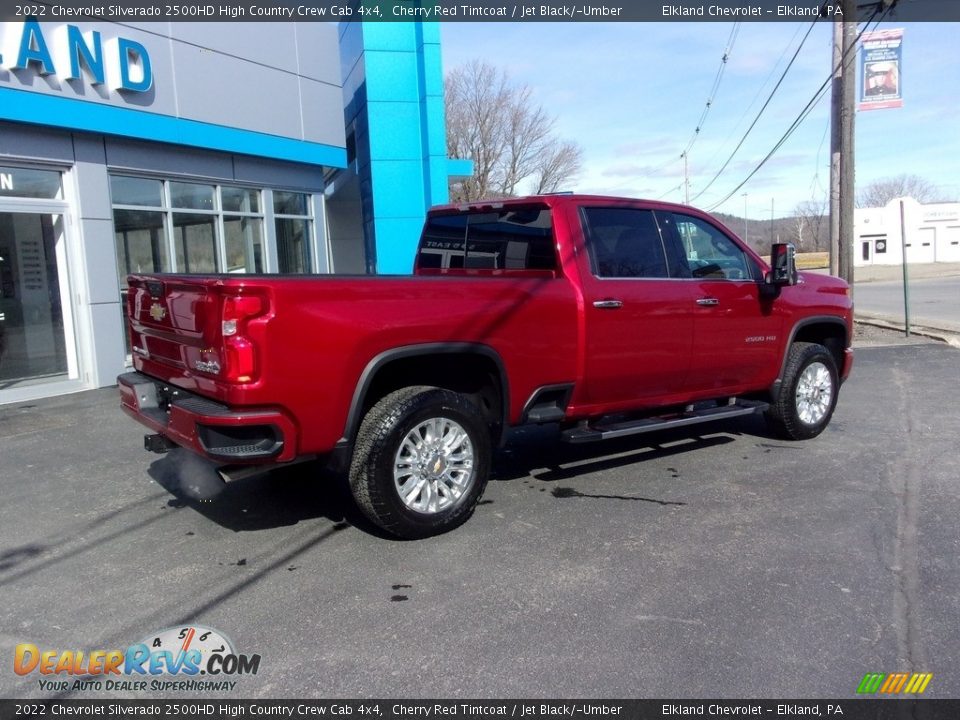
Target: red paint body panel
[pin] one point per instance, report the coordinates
(311, 338)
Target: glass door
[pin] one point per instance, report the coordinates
(36, 323)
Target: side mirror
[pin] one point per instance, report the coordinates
(783, 265)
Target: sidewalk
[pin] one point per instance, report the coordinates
(948, 335)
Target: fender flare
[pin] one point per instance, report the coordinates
(798, 326)
(354, 415)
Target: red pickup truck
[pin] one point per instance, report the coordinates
(606, 315)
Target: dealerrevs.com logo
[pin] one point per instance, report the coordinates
(191, 659)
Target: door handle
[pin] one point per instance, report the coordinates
(608, 304)
(708, 301)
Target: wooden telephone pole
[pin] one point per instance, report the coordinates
(842, 151)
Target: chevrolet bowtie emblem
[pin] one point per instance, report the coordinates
(158, 312)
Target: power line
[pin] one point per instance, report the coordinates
(816, 168)
(728, 48)
(760, 89)
(673, 189)
(711, 97)
(759, 114)
(662, 166)
(815, 180)
(813, 102)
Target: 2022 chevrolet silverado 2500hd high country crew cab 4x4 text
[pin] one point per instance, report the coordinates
(606, 315)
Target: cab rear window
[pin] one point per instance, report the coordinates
(507, 239)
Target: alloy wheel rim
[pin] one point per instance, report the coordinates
(433, 469)
(814, 393)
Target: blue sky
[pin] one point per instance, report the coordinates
(631, 95)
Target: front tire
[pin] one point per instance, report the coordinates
(807, 395)
(421, 461)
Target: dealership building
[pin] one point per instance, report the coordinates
(199, 148)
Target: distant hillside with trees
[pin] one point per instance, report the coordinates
(808, 229)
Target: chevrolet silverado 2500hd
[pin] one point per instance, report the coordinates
(606, 315)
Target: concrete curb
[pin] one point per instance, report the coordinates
(881, 321)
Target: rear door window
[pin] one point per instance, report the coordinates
(624, 243)
(508, 239)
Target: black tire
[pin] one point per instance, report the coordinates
(379, 440)
(800, 418)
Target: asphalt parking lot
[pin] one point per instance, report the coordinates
(713, 562)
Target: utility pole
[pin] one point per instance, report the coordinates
(836, 100)
(772, 238)
(746, 234)
(842, 150)
(847, 121)
(686, 180)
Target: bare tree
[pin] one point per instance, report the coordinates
(798, 226)
(510, 138)
(810, 218)
(558, 164)
(880, 192)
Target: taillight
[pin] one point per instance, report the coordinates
(239, 353)
(237, 309)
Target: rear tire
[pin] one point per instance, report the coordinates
(421, 461)
(807, 395)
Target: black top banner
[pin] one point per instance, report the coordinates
(873, 709)
(460, 11)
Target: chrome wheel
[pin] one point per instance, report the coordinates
(814, 393)
(434, 466)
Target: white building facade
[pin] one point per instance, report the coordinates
(932, 233)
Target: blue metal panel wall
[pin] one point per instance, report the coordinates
(393, 100)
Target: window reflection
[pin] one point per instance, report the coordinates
(195, 241)
(141, 242)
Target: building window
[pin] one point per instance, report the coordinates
(172, 226)
(139, 226)
(30, 183)
(194, 233)
(195, 242)
(242, 230)
(294, 230)
(141, 242)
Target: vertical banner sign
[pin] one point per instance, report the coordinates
(880, 62)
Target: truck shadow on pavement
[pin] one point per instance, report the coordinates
(288, 495)
(280, 497)
(538, 453)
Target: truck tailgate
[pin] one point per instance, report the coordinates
(172, 319)
(198, 332)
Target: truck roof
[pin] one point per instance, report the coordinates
(554, 200)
